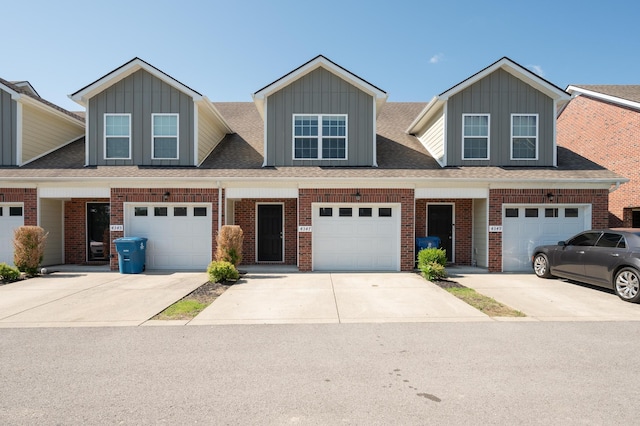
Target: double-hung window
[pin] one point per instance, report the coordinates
(164, 136)
(319, 137)
(117, 136)
(475, 136)
(524, 136)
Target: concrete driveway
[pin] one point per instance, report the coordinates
(93, 299)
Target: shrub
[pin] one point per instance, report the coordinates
(432, 262)
(29, 242)
(8, 273)
(221, 270)
(229, 244)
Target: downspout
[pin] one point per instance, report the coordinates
(219, 205)
(614, 188)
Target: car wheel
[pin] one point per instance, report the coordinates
(627, 285)
(541, 265)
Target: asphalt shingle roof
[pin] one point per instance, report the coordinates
(240, 155)
(628, 92)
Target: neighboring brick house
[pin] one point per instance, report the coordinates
(602, 124)
(320, 171)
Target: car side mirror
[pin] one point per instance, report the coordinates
(562, 243)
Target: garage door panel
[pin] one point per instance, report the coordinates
(11, 217)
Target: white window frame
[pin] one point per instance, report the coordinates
(104, 132)
(320, 137)
(153, 136)
(521, 136)
(488, 137)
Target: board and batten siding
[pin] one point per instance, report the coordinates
(500, 94)
(8, 129)
(209, 133)
(43, 132)
(320, 92)
(141, 95)
(433, 137)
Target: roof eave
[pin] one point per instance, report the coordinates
(577, 90)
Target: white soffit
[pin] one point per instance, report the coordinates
(75, 192)
(261, 193)
(452, 193)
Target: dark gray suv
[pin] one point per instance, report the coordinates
(607, 258)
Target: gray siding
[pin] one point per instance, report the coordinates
(320, 92)
(8, 129)
(500, 94)
(141, 94)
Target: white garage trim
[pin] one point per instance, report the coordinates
(525, 226)
(175, 241)
(11, 217)
(365, 240)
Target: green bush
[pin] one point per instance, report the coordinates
(8, 273)
(221, 270)
(29, 242)
(432, 262)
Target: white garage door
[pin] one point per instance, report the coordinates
(179, 235)
(356, 237)
(525, 227)
(11, 217)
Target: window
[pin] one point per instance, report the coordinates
(199, 211)
(587, 239)
(610, 240)
(159, 211)
(384, 212)
(117, 136)
(365, 212)
(0, 210)
(139, 211)
(15, 211)
(326, 211)
(524, 136)
(530, 212)
(165, 136)
(475, 136)
(571, 212)
(635, 219)
(179, 211)
(550, 212)
(344, 212)
(511, 213)
(320, 137)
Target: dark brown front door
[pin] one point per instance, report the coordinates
(440, 224)
(269, 233)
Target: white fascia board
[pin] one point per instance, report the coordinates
(14, 95)
(212, 108)
(423, 117)
(82, 97)
(576, 91)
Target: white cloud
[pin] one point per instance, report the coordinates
(537, 69)
(436, 58)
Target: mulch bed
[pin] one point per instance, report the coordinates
(208, 292)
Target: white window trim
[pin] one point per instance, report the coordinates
(104, 133)
(153, 136)
(319, 137)
(488, 136)
(537, 137)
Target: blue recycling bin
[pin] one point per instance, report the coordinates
(131, 254)
(427, 242)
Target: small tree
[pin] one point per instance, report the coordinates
(229, 244)
(29, 243)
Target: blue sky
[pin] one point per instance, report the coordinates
(227, 50)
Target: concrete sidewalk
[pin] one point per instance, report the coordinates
(278, 298)
(77, 299)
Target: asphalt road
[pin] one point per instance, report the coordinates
(368, 374)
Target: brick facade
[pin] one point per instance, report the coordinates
(598, 198)
(463, 220)
(119, 196)
(245, 216)
(28, 196)
(405, 197)
(608, 135)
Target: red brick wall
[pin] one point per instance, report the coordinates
(608, 135)
(403, 196)
(598, 198)
(75, 229)
(245, 217)
(119, 196)
(463, 211)
(28, 196)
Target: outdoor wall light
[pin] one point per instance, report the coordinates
(357, 195)
(550, 197)
(166, 195)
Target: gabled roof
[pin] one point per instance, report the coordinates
(379, 95)
(506, 64)
(123, 71)
(625, 95)
(24, 92)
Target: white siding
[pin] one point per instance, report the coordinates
(480, 230)
(433, 137)
(210, 133)
(43, 132)
(51, 221)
